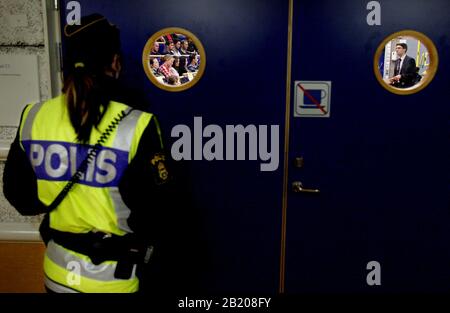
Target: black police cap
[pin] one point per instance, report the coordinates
(92, 43)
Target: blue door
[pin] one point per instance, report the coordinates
(380, 160)
(227, 227)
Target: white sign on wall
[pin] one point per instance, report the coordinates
(19, 86)
(312, 99)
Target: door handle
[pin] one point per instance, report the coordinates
(298, 187)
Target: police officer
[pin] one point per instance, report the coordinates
(106, 226)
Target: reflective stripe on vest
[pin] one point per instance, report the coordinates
(60, 256)
(67, 268)
(121, 209)
(26, 130)
(123, 140)
(55, 287)
(125, 129)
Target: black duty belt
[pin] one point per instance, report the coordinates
(101, 247)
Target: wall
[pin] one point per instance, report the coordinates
(21, 267)
(22, 32)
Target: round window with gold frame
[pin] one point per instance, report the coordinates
(174, 59)
(405, 62)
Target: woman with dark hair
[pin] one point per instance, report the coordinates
(176, 66)
(95, 166)
(154, 66)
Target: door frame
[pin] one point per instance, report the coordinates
(281, 287)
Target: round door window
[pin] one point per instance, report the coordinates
(174, 59)
(405, 62)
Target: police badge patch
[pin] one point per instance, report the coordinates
(159, 168)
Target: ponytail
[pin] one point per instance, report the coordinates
(85, 101)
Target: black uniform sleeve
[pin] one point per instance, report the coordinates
(146, 187)
(20, 182)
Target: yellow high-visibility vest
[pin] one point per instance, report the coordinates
(94, 204)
